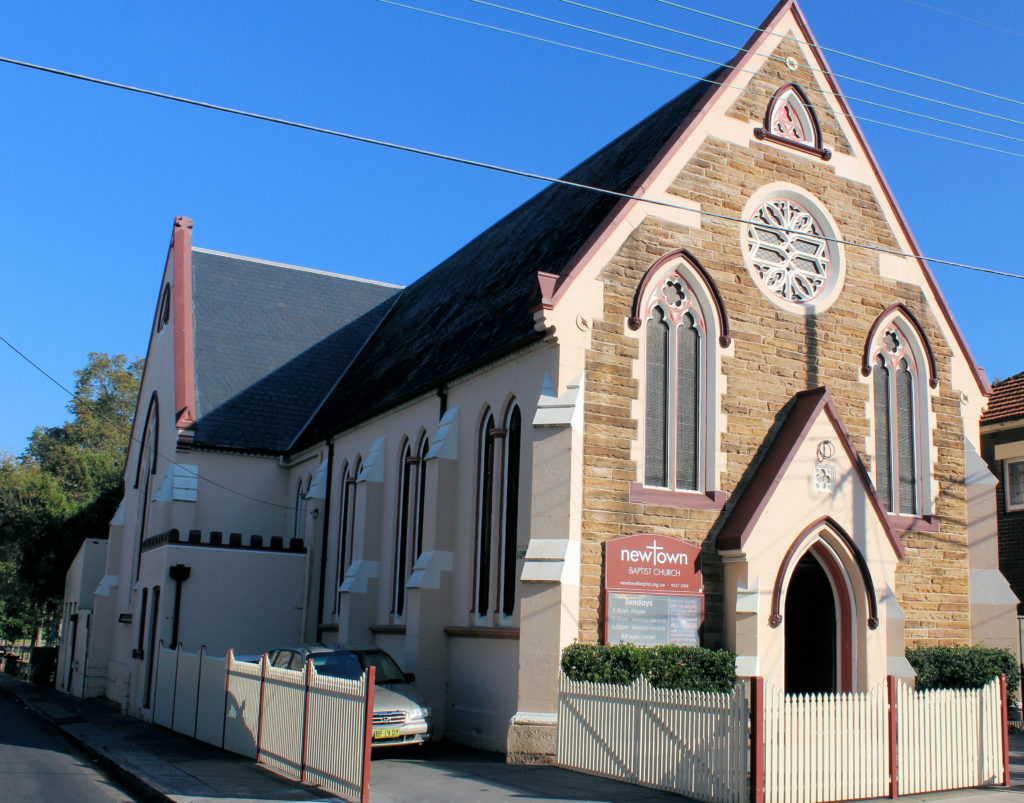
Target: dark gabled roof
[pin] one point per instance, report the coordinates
(1006, 401)
(270, 341)
(478, 304)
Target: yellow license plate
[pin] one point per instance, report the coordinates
(386, 733)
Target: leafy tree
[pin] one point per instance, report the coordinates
(64, 488)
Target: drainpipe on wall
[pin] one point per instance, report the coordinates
(179, 573)
(323, 540)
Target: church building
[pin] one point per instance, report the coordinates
(710, 346)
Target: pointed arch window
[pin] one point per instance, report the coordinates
(675, 377)
(485, 526)
(901, 368)
(406, 515)
(510, 509)
(682, 324)
(790, 120)
(347, 523)
(497, 555)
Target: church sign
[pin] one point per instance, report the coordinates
(653, 591)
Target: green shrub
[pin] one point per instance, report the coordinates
(964, 667)
(666, 667)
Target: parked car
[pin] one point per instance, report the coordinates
(399, 715)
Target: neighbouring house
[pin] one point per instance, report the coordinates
(696, 410)
(1002, 446)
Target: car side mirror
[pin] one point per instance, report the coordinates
(410, 677)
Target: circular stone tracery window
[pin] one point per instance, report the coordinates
(791, 249)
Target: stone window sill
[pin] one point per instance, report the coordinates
(693, 500)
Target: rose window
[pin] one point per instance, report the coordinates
(789, 251)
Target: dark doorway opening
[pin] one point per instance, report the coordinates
(810, 621)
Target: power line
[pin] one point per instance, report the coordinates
(779, 59)
(135, 440)
(511, 171)
(853, 56)
(731, 47)
(691, 76)
(967, 19)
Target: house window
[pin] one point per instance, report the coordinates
(675, 345)
(899, 417)
(1014, 484)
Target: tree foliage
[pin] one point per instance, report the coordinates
(64, 488)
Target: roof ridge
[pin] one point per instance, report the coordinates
(301, 268)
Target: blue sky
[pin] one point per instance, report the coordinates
(93, 177)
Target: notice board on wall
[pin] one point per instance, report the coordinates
(653, 591)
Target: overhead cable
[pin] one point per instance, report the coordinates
(843, 53)
(695, 57)
(853, 79)
(691, 76)
(474, 162)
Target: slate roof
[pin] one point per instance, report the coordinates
(1006, 401)
(478, 304)
(270, 342)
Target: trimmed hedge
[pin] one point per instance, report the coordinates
(964, 667)
(666, 667)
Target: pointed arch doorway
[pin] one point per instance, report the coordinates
(825, 598)
(811, 628)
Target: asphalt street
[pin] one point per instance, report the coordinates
(38, 764)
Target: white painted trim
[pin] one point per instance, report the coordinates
(1010, 451)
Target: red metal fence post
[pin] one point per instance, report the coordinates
(1004, 699)
(757, 770)
(371, 679)
(894, 769)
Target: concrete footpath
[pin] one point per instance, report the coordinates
(156, 764)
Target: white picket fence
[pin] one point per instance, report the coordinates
(843, 746)
(801, 748)
(826, 747)
(690, 743)
(310, 727)
(949, 739)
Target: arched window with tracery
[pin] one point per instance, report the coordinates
(681, 319)
(790, 120)
(900, 364)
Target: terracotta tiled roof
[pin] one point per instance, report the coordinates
(1006, 401)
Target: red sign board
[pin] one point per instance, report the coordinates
(654, 591)
(652, 564)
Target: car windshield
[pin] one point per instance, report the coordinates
(338, 664)
(387, 670)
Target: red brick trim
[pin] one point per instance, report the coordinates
(635, 318)
(184, 335)
(692, 500)
(915, 524)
